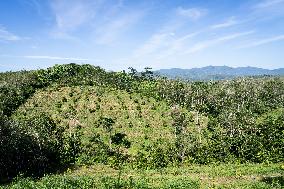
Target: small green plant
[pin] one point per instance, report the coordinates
(107, 124)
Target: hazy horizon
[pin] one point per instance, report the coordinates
(118, 34)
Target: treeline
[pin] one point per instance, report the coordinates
(245, 119)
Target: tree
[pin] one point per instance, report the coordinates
(180, 130)
(107, 124)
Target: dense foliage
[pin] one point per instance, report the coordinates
(15, 88)
(33, 147)
(83, 114)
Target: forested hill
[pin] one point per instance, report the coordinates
(81, 115)
(216, 72)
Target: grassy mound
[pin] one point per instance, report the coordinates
(140, 120)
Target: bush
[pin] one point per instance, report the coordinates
(15, 89)
(160, 154)
(32, 147)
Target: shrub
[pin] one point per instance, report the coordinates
(32, 147)
(15, 89)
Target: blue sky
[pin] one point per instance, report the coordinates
(117, 34)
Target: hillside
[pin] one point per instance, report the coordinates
(81, 126)
(143, 120)
(217, 72)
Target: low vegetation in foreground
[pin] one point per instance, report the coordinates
(263, 176)
(78, 126)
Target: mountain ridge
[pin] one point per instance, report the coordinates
(217, 72)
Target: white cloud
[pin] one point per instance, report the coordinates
(268, 3)
(70, 15)
(99, 19)
(264, 41)
(8, 36)
(205, 44)
(191, 13)
(159, 47)
(164, 41)
(229, 22)
(56, 58)
(109, 31)
(156, 42)
(176, 45)
(35, 5)
(46, 57)
(265, 11)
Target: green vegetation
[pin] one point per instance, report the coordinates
(142, 131)
(196, 176)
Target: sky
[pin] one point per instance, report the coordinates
(117, 34)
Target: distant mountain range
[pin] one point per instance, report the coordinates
(217, 72)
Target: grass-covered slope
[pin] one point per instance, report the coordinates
(143, 120)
